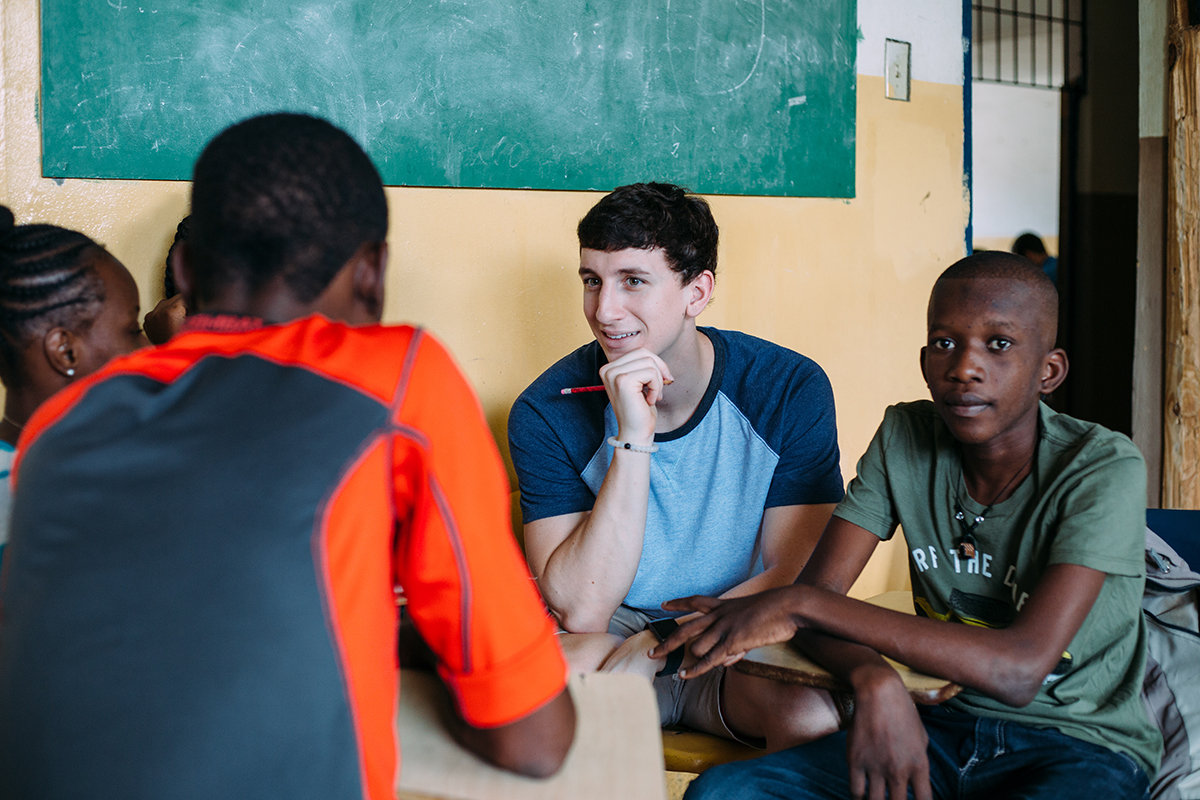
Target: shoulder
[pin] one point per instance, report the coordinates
(544, 401)
(760, 376)
(580, 367)
(919, 416)
(750, 355)
(376, 342)
(1087, 449)
(380, 361)
(1094, 492)
(913, 427)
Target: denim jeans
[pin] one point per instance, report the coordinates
(969, 758)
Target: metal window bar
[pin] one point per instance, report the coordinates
(1007, 36)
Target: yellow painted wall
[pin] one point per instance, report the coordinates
(492, 272)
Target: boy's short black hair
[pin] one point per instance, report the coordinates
(1028, 243)
(281, 195)
(999, 265)
(644, 216)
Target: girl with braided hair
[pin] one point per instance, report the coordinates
(67, 307)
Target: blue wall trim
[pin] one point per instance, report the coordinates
(968, 182)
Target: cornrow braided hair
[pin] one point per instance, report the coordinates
(46, 281)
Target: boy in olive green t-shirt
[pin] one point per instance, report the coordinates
(1024, 524)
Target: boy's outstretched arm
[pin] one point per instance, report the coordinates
(534, 745)
(1006, 664)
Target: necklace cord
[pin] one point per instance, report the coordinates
(965, 544)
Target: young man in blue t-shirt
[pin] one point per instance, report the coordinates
(709, 464)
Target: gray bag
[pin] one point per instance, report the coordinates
(1171, 690)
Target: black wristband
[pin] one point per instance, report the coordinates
(663, 628)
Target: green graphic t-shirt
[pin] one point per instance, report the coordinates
(1083, 503)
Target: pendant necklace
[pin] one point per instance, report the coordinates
(965, 545)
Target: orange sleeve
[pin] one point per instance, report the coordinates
(469, 592)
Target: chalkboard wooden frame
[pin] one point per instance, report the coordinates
(749, 97)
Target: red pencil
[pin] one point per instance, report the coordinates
(582, 389)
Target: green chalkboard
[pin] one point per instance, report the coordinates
(723, 96)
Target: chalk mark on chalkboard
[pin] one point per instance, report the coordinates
(762, 43)
(241, 45)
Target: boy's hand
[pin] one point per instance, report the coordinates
(731, 628)
(886, 743)
(165, 320)
(634, 383)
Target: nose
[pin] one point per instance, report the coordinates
(608, 306)
(966, 365)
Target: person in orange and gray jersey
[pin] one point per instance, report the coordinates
(198, 600)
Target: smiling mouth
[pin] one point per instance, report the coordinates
(616, 337)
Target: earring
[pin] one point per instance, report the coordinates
(70, 372)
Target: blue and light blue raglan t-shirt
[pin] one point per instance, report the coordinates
(764, 435)
(7, 451)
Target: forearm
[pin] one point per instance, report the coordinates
(535, 745)
(1008, 664)
(1004, 664)
(856, 664)
(588, 575)
(767, 579)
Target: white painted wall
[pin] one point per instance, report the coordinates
(932, 27)
(1015, 137)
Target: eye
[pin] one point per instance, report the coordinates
(632, 281)
(941, 343)
(591, 281)
(999, 344)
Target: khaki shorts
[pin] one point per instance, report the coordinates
(696, 702)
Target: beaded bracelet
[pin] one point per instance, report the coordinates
(637, 448)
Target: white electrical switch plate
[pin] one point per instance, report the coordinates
(897, 63)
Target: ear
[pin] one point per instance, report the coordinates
(1054, 370)
(923, 373)
(181, 268)
(700, 292)
(370, 273)
(61, 348)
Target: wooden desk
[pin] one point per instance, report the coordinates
(617, 751)
(780, 662)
